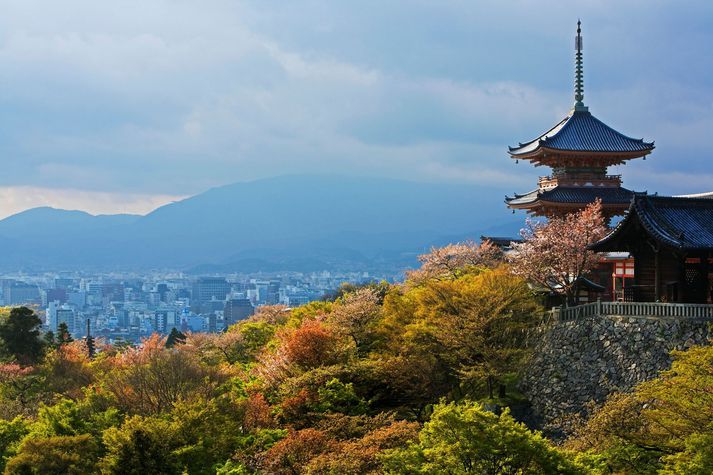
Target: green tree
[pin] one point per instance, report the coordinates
(49, 339)
(140, 446)
(175, 338)
(69, 417)
(195, 437)
(11, 434)
(663, 424)
(73, 455)
(63, 335)
(465, 438)
(695, 459)
(472, 326)
(336, 396)
(20, 336)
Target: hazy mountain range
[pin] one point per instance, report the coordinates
(287, 223)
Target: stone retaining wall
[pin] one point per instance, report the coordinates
(580, 361)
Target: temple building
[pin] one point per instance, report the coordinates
(671, 241)
(579, 150)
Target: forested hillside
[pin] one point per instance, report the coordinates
(419, 377)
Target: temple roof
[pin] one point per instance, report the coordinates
(682, 223)
(562, 194)
(580, 131)
(708, 195)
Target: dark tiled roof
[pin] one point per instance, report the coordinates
(580, 131)
(588, 284)
(562, 194)
(684, 223)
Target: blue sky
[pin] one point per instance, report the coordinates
(123, 106)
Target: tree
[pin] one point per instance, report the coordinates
(291, 455)
(175, 338)
(356, 315)
(141, 446)
(336, 396)
(474, 326)
(20, 336)
(68, 417)
(67, 370)
(345, 288)
(465, 438)
(664, 425)
(311, 345)
(150, 379)
(63, 335)
(74, 455)
(555, 254)
(695, 459)
(194, 437)
(360, 455)
(11, 434)
(450, 260)
(49, 339)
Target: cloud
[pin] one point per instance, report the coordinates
(19, 198)
(171, 97)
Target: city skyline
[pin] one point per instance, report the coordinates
(125, 109)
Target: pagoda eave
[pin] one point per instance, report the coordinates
(552, 208)
(556, 204)
(550, 156)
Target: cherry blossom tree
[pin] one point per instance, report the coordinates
(555, 254)
(355, 316)
(449, 260)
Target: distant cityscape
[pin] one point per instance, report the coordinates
(132, 306)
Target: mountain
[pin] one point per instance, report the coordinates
(61, 221)
(283, 223)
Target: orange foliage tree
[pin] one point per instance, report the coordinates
(150, 379)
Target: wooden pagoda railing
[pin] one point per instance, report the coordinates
(552, 181)
(635, 309)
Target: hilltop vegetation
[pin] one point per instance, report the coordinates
(416, 378)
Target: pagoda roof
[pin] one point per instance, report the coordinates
(580, 131)
(571, 195)
(679, 222)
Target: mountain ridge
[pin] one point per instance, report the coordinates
(277, 220)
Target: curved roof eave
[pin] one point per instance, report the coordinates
(588, 134)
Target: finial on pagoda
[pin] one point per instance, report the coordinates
(579, 74)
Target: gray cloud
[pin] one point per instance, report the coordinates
(160, 97)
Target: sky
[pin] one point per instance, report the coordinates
(124, 106)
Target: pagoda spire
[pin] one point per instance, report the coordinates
(578, 72)
(579, 150)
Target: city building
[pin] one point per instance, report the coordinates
(236, 310)
(210, 288)
(57, 314)
(164, 320)
(21, 293)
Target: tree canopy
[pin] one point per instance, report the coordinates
(409, 378)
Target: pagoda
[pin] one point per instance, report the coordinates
(579, 149)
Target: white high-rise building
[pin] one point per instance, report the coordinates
(57, 314)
